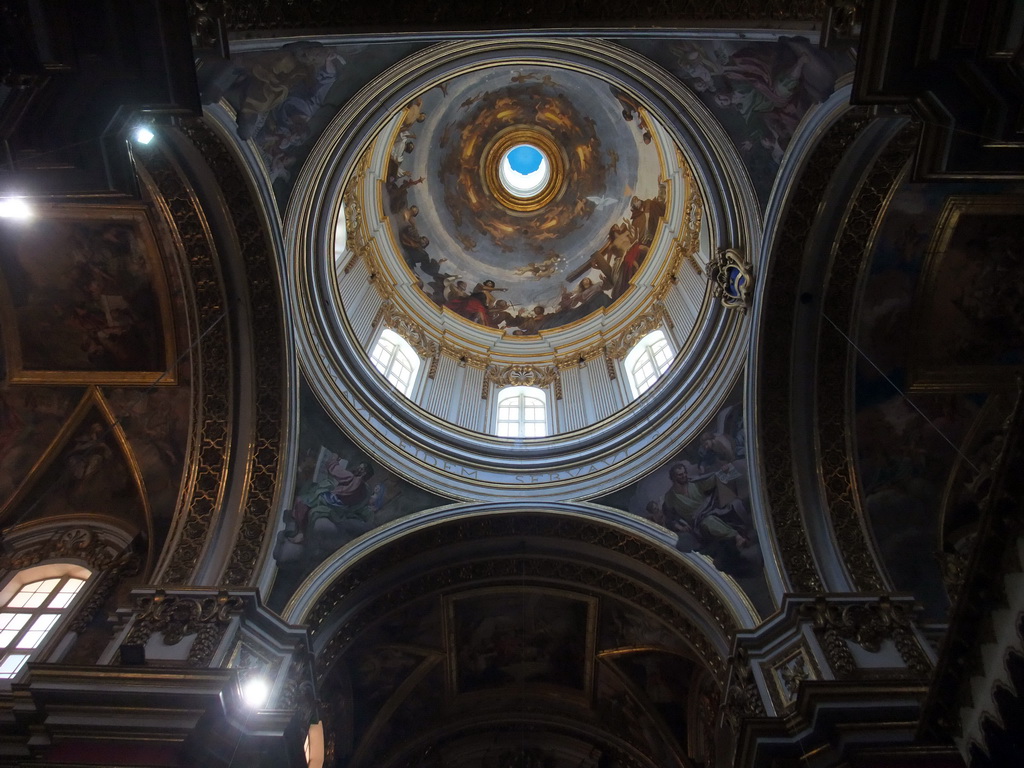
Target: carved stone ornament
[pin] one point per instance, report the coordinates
(176, 616)
(652, 319)
(409, 330)
(264, 455)
(867, 624)
(788, 674)
(521, 375)
(78, 543)
(732, 279)
(742, 697)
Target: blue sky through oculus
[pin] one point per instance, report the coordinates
(524, 170)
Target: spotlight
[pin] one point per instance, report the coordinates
(143, 135)
(14, 208)
(255, 692)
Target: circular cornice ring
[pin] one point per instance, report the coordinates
(469, 465)
(507, 140)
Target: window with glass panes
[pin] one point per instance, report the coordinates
(29, 616)
(522, 412)
(648, 361)
(394, 357)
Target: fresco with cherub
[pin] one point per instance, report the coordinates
(341, 493)
(703, 496)
(525, 271)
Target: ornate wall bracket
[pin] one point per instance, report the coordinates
(867, 624)
(523, 376)
(179, 614)
(732, 279)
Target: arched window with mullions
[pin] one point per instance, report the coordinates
(522, 412)
(397, 361)
(31, 606)
(647, 361)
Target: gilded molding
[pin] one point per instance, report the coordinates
(572, 529)
(521, 570)
(177, 616)
(787, 672)
(521, 375)
(464, 356)
(88, 545)
(211, 369)
(687, 244)
(618, 347)
(405, 327)
(777, 333)
(106, 556)
(851, 256)
(266, 324)
(866, 623)
(362, 246)
(586, 532)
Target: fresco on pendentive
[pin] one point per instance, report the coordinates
(703, 496)
(341, 492)
(758, 90)
(88, 469)
(907, 444)
(30, 418)
(523, 272)
(284, 98)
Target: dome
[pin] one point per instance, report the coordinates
(544, 278)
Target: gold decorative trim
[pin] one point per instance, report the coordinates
(266, 324)
(521, 375)
(851, 257)
(777, 322)
(177, 616)
(363, 247)
(138, 218)
(464, 356)
(405, 327)
(787, 672)
(210, 442)
(866, 623)
(651, 320)
(92, 400)
(490, 167)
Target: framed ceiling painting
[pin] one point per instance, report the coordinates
(504, 638)
(84, 299)
(969, 309)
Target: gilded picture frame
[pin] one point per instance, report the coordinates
(84, 298)
(504, 637)
(964, 299)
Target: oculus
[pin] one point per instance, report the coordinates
(524, 170)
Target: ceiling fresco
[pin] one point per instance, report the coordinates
(758, 90)
(522, 267)
(703, 496)
(284, 98)
(341, 492)
(441, 667)
(939, 250)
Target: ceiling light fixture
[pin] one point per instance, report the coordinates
(14, 208)
(255, 692)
